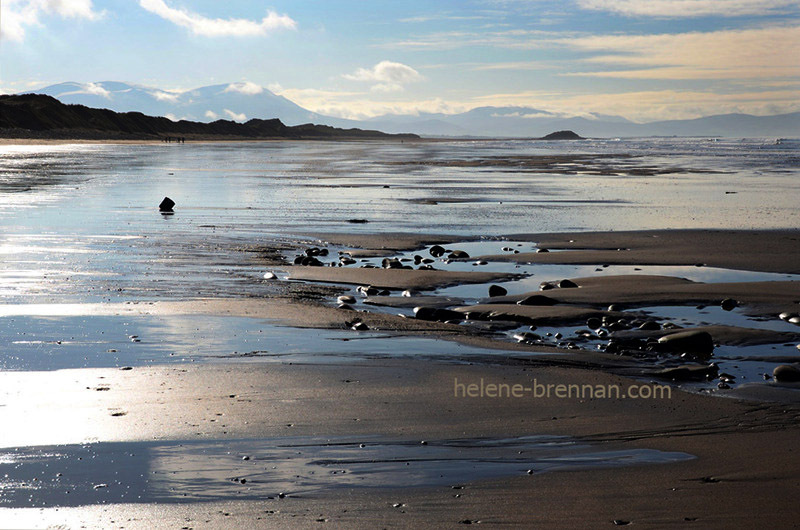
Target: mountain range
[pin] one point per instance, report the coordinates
(45, 117)
(243, 101)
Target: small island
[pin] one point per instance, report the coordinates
(562, 135)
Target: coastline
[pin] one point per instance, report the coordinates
(741, 471)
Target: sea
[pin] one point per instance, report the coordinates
(79, 224)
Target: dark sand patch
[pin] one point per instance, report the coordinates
(756, 250)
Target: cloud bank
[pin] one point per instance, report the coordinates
(690, 8)
(218, 27)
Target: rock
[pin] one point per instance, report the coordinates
(542, 251)
(594, 323)
(527, 338)
(480, 263)
(496, 290)
(346, 307)
(786, 373)
(697, 372)
(393, 263)
(567, 284)
(458, 254)
(166, 205)
(729, 304)
(313, 251)
(614, 307)
(794, 320)
(546, 286)
(437, 251)
(691, 342)
(346, 299)
(270, 276)
(357, 221)
(408, 293)
(786, 316)
(367, 290)
(436, 314)
(359, 326)
(538, 300)
(346, 260)
(650, 325)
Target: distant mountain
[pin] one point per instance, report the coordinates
(533, 123)
(40, 116)
(236, 102)
(243, 101)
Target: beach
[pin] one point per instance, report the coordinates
(239, 364)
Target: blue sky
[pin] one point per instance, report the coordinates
(642, 59)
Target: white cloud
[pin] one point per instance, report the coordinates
(218, 27)
(89, 88)
(731, 54)
(210, 114)
(690, 8)
(235, 116)
(19, 14)
(247, 88)
(388, 76)
(160, 95)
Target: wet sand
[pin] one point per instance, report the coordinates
(744, 472)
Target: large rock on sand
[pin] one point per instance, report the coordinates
(786, 373)
(692, 342)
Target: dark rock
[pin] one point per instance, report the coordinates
(436, 314)
(594, 323)
(437, 251)
(567, 284)
(688, 373)
(542, 251)
(346, 307)
(692, 342)
(546, 286)
(359, 326)
(166, 205)
(729, 304)
(347, 299)
(496, 290)
(786, 373)
(537, 300)
(650, 325)
(458, 254)
(527, 338)
(357, 221)
(368, 290)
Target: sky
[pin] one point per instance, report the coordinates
(642, 59)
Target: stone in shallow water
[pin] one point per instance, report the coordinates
(458, 254)
(594, 323)
(729, 304)
(537, 299)
(567, 284)
(166, 205)
(347, 299)
(437, 251)
(436, 314)
(786, 373)
(496, 290)
(692, 342)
